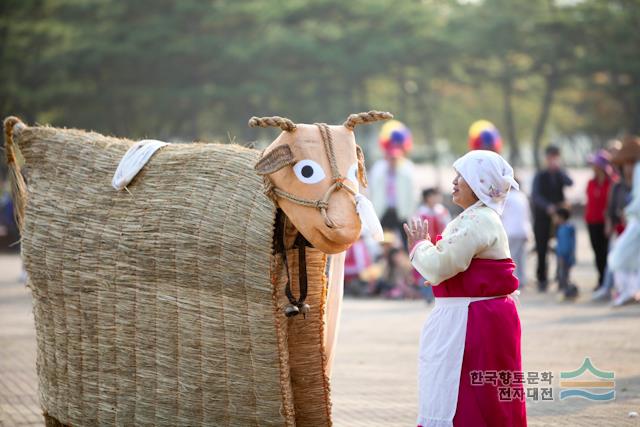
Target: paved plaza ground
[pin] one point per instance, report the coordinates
(374, 379)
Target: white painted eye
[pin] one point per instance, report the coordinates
(352, 174)
(308, 171)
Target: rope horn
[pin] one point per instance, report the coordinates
(274, 121)
(368, 117)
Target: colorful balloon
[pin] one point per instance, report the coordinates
(483, 135)
(395, 138)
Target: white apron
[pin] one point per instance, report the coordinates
(440, 359)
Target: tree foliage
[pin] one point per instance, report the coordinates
(191, 69)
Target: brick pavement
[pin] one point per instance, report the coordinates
(375, 369)
(374, 380)
(375, 373)
(18, 381)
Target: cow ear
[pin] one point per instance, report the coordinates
(362, 173)
(275, 160)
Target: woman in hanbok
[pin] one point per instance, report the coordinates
(470, 369)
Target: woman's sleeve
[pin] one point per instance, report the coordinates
(454, 252)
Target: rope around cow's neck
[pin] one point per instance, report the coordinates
(338, 180)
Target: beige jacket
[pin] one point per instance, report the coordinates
(475, 233)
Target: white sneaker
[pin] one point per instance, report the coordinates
(622, 299)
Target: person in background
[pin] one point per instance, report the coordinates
(372, 275)
(595, 210)
(357, 259)
(395, 280)
(619, 198)
(391, 182)
(624, 259)
(432, 210)
(516, 220)
(9, 233)
(565, 251)
(398, 272)
(547, 196)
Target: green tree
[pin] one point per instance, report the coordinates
(611, 59)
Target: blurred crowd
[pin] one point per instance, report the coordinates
(541, 224)
(609, 194)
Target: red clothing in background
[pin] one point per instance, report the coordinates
(597, 196)
(356, 260)
(438, 218)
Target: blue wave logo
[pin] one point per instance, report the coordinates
(584, 389)
(565, 394)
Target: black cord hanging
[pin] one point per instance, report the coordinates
(297, 306)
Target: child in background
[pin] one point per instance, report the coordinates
(397, 273)
(357, 259)
(375, 274)
(565, 251)
(395, 280)
(433, 211)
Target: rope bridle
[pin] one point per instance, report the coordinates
(299, 306)
(338, 180)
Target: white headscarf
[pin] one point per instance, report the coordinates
(489, 176)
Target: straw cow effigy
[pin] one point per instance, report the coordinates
(198, 295)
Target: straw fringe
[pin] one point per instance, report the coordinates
(159, 307)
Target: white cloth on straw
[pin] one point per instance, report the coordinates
(489, 176)
(134, 160)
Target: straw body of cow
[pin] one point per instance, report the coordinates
(198, 296)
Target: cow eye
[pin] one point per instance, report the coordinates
(308, 171)
(352, 174)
